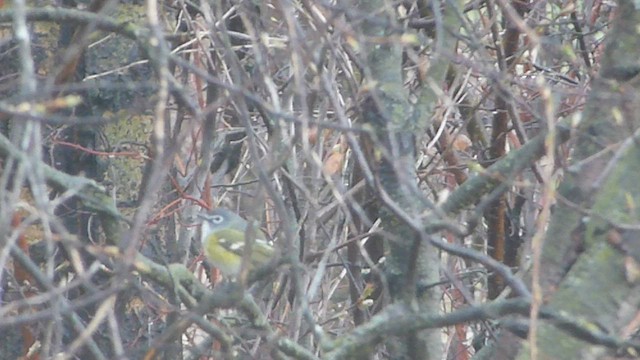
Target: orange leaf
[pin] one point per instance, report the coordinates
(333, 163)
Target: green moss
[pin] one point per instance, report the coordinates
(129, 134)
(616, 200)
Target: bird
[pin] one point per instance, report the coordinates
(224, 240)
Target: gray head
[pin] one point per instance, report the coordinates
(222, 218)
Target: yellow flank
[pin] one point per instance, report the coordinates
(227, 261)
(227, 255)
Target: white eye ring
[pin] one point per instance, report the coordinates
(217, 219)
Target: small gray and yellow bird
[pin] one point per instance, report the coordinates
(223, 240)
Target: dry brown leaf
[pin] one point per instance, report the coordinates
(333, 163)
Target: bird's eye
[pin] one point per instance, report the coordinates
(217, 219)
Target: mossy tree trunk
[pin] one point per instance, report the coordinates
(590, 254)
